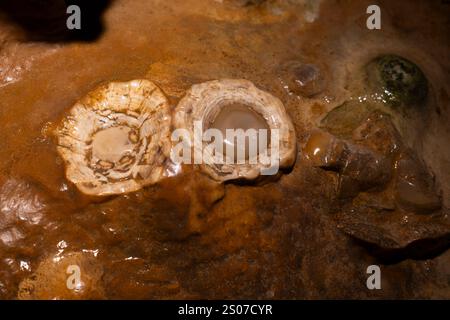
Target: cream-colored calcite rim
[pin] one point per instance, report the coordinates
(204, 101)
(138, 104)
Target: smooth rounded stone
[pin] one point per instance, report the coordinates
(204, 102)
(400, 81)
(324, 150)
(304, 79)
(116, 139)
(239, 116)
(344, 119)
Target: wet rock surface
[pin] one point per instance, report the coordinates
(190, 237)
(50, 281)
(392, 201)
(304, 79)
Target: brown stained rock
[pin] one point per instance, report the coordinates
(243, 3)
(378, 132)
(194, 195)
(276, 241)
(415, 235)
(363, 170)
(146, 279)
(359, 167)
(304, 79)
(52, 277)
(344, 119)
